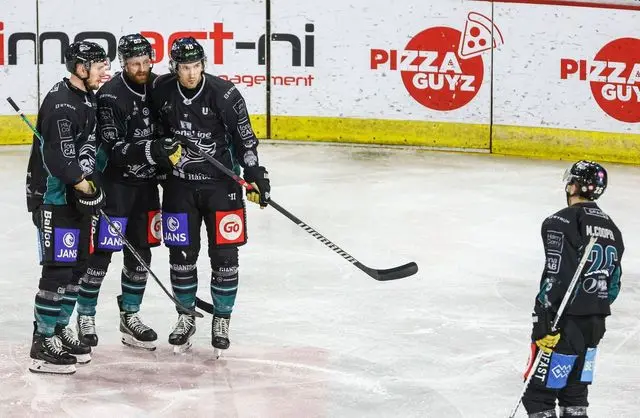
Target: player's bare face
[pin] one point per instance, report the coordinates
(189, 75)
(95, 74)
(138, 69)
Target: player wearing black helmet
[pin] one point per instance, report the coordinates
(129, 158)
(566, 366)
(63, 199)
(210, 113)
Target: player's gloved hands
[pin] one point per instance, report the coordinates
(548, 342)
(89, 199)
(542, 333)
(258, 177)
(165, 152)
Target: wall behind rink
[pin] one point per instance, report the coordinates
(549, 79)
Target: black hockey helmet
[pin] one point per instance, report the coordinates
(590, 176)
(185, 51)
(134, 45)
(85, 53)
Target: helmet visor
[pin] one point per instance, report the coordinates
(568, 177)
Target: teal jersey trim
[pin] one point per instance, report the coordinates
(56, 192)
(614, 285)
(102, 159)
(232, 152)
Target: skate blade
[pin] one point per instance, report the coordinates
(82, 358)
(41, 366)
(217, 352)
(130, 341)
(182, 349)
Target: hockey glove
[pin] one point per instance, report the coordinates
(542, 333)
(90, 203)
(165, 152)
(548, 342)
(258, 177)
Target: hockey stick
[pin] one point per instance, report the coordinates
(563, 305)
(380, 275)
(126, 242)
(115, 228)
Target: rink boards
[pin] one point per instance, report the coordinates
(510, 77)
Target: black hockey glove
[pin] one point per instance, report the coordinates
(165, 152)
(258, 177)
(542, 333)
(90, 204)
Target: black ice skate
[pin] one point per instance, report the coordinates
(86, 326)
(220, 335)
(48, 356)
(72, 345)
(180, 337)
(134, 332)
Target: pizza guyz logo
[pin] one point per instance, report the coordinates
(441, 67)
(614, 78)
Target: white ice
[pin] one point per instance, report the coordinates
(312, 336)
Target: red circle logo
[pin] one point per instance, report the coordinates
(617, 89)
(435, 75)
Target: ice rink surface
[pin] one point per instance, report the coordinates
(312, 336)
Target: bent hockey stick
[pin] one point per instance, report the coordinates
(563, 305)
(394, 273)
(115, 228)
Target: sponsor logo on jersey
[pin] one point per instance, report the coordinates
(245, 130)
(68, 148)
(64, 129)
(596, 212)
(555, 241)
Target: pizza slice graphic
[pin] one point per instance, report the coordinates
(480, 34)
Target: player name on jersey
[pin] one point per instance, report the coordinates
(598, 231)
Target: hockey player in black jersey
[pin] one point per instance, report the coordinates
(63, 200)
(129, 158)
(209, 112)
(566, 366)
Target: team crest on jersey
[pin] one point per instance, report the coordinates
(87, 156)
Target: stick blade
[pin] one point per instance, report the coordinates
(394, 273)
(207, 307)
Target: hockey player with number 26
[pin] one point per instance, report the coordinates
(208, 113)
(568, 356)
